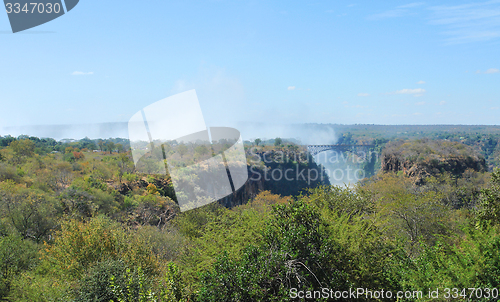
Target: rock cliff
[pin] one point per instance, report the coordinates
(423, 158)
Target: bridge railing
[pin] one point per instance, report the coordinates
(316, 149)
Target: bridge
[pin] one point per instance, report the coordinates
(316, 149)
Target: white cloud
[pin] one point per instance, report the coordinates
(417, 113)
(181, 86)
(420, 103)
(442, 103)
(471, 22)
(82, 73)
(329, 11)
(494, 108)
(400, 11)
(363, 94)
(414, 4)
(492, 70)
(421, 82)
(393, 13)
(489, 71)
(291, 87)
(418, 91)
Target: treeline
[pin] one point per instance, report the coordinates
(46, 145)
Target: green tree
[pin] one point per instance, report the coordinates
(407, 213)
(100, 143)
(16, 256)
(257, 141)
(278, 141)
(110, 280)
(471, 261)
(22, 149)
(30, 212)
(201, 150)
(419, 217)
(61, 176)
(305, 247)
(77, 203)
(489, 206)
(80, 245)
(125, 165)
(120, 148)
(110, 146)
(182, 149)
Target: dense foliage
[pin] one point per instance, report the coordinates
(79, 225)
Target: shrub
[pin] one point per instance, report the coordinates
(80, 245)
(16, 255)
(102, 280)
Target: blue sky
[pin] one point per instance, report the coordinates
(263, 61)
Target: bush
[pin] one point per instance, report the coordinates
(8, 172)
(79, 246)
(489, 210)
(139, 288)
(31, 212)
(302, 249)
(16, 256)
(102, 279)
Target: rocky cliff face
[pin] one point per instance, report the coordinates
(285, 173)
(424, 158)
(252, 187)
